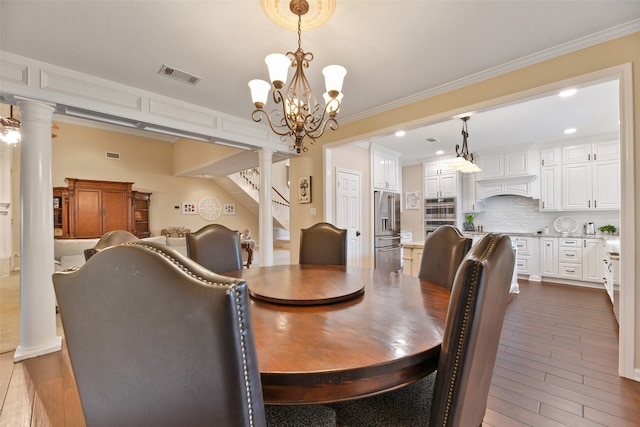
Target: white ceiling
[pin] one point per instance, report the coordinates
(395, 51)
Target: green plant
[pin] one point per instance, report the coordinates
(608, 228)
(469, 218)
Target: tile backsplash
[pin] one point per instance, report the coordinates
(521, 215)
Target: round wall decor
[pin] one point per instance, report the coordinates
(209, 208)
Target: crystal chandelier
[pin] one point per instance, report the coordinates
(10, 129)
(464, 160)
(299, 115)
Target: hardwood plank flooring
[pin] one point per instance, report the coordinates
(556, 366)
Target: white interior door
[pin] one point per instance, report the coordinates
(349, 212)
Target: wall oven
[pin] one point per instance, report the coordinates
(437, 212)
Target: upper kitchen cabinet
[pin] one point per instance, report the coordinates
(386, 169)
(507, 173)
(469, 202)
(550, 172)
(439, 179)
(591, 176)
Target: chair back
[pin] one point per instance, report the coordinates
(108, 239)
(443, 252)
(156, 339)
(323, 244)
(472, 332)
(215, 247)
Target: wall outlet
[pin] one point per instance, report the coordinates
(313, 211)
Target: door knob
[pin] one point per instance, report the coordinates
(357, 233)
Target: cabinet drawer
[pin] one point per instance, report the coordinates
(571, 242)
(522, 265)
(571, 255)
(570, 271)
(522, 246)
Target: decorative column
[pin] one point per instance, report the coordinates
(265, 214)
(6, 235)
(37, 297)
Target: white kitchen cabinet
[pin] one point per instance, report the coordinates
(499, 165)
(591, 177)
(550, 156)
(550, 188)
(469, 202)
(549, 256)
(507, 174)
(525, 255)
(592, 255)
(440, 180)
(385, 170)
(570, 258)
(550, 182)
(599, 151)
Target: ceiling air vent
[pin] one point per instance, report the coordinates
(115, 156)
(183, 76)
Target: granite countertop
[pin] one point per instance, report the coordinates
(419, 244)
(536, 234)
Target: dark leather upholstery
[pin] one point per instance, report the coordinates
(442, 254)
(108, 239)
(323, 244)
(155, 339)
(472, 332)
(215, 247)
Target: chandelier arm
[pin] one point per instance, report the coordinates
(256, 116)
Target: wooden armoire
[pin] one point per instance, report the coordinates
(88, 209)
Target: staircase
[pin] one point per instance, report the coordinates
(245, 187)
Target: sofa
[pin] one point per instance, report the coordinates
(69, 253)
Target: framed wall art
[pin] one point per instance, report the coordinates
(189, 208)
(304, 189)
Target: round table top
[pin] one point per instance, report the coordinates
(386, 337)
(289, 286)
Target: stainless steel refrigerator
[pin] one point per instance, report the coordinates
(386, 219)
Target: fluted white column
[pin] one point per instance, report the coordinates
(265, 214)
(37, 297)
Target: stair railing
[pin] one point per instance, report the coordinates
(280, 206)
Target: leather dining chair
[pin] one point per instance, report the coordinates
(108, 239)
(156, 339)
(323, 244)
(215, 247)
(456, 394)
(443, 252)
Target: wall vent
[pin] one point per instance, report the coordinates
(183, 76)
(115, 156)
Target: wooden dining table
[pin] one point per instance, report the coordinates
(332, 333)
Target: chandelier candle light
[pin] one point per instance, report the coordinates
(299, 114)
(464, 160)
(10, 129)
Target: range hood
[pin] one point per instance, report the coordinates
(521, 185)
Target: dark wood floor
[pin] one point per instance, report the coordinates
(557, 365)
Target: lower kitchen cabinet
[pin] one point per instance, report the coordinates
(592, 255)
(571, 258)
(549, 256)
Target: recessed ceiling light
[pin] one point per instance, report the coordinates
(400, 133)
(568, 92)
(570, 131)
(439, 152)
